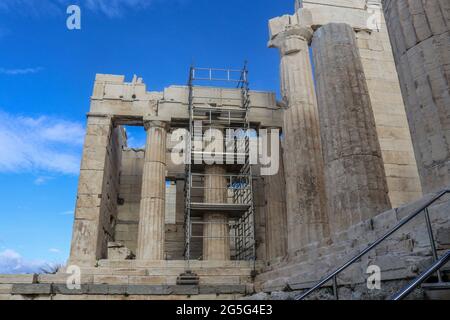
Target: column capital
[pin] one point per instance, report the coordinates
(292, 39)
(156, 124)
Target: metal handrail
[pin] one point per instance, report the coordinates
(333, 275)
(405, 291)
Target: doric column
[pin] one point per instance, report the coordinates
(276, 225)
(305, 201)
(354, 171)
(88, 243)
(420, 37)
(152, 210)
(216, 241)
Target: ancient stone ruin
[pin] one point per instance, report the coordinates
(364, 122)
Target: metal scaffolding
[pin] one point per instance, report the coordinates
(238, 204)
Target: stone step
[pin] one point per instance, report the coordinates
(437, 291)
(106, 289)
(124, 279)
(179, 263)
(167, 271)
(436, 286)
(5, 288)
(168, 280)
(18, 278)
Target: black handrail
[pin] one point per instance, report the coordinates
(405, 291)
(334, 274)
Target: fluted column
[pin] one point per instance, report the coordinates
(305, 193)
(420, 37)
(216, 241)
(354, 171)
(152, 210)
(276, 225)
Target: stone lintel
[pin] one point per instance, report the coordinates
(171, 106)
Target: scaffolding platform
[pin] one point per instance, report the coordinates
(230, 209)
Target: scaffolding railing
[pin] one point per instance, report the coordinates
(217, 74)
(236, 188)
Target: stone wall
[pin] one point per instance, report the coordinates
(388, 109)
(110, 192)
(130, 193)
(96, 207)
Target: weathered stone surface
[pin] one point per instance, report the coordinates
(222, 289)
(400, 166)
(96, 206)
(5, 289)
(305, 196)
(31, 289)
(420, 37)
(118, 251)
(402, 256)
(102, 289)
(355, 178)
(63, 289)
(18, 278)
(151, 231)
(276, 220)
(147, 290)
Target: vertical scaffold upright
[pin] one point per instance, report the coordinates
(229, 114)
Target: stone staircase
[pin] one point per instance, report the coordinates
(401, 257)
(133, 279)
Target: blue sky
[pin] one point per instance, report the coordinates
(46, 78)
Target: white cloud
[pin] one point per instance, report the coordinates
(39, 144)
(29, 7)
(67, 213)
(39, 181)
(110, 8)
(116, 8)
(54, 250)
(24, 71)
(12, 262)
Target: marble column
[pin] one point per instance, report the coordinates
(305, 193)
(151, 229)
(276, 224)
(420, 36)
(216, 241)
(354, 171)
